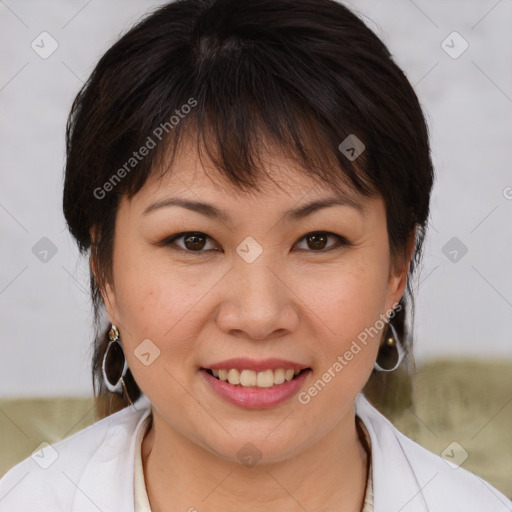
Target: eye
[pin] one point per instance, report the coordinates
(317, 241)
(195, 241)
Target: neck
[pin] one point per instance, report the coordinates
(329, 475)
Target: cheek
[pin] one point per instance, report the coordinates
(162, 302)
(349, 297)
(360, 302)
(155, 306)
(347, 309)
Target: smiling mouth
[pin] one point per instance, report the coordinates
(253, 379)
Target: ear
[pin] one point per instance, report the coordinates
(400, 271)
(106, 289)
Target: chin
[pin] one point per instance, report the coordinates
(267, 443)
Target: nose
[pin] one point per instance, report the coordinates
(256, 301)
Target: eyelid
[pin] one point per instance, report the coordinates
(342, 242)
(168, 241)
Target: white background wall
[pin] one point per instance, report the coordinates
(463, 307)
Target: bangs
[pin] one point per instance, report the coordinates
(240, 156)
(236, 111)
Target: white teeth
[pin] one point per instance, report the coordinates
(248, 378)
(234, 377)
(265, 379)
(278, 376)
(251, 378)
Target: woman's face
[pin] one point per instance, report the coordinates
(251, 294)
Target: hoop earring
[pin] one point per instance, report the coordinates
(391, 353)
(112, 368)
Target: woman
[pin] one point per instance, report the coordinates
(252, 180)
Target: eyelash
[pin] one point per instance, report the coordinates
(169, 241)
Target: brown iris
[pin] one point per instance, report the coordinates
(317, 240)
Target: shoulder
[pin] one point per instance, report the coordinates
(410, 478)
(51, 478)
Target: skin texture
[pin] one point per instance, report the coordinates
(292, 302)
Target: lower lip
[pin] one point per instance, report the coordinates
(256, 398)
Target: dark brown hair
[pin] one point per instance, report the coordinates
(301, 74)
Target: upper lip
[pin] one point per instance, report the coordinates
(243, 363)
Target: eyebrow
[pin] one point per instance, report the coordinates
(213, 212)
